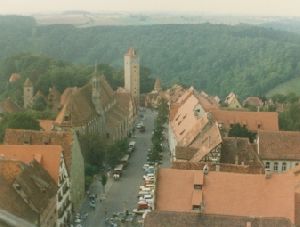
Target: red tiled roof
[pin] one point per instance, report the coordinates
(230, 193)
(175, 189)
(185, 125)
(279, 145)
(46, 125)
(65, 139)
(254, 120)
(50, 156)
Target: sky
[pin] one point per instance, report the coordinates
(229, 7)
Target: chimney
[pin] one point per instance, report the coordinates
(248, 224)
(205, 169)
(268, 174)
(217, 167)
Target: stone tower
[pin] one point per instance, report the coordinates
(132, 74)
(28, 93)
(157, 85)
(96, 93)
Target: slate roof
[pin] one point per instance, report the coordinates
(238, 150)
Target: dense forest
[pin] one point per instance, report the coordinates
(246, 59)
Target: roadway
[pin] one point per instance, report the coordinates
(122, 195)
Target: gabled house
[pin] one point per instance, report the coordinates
(253, 121)
(51, 158)
(231, 194)
(279, 150)
(232, 101)
(71, 152)
(28, 194)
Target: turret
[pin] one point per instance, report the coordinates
(132, 74)
(28, 93)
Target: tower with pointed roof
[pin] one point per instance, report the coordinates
(157, 85)
(28, 93)
(132, 74)
(96, 93)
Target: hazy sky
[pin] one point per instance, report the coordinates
(244, 7)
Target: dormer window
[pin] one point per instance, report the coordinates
(196, 207)
(197, 186)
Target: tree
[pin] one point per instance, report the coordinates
(18, 121)
(239, 131)
(103, 181)
(39, 104)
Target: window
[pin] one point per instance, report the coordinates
(267, 165)
(197, 186)
(275, 166)
(283, 168)
(196, 207)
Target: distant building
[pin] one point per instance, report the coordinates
(95, 109)
(253, 101)
(279, 150)
(14, 77)
(232, 101)
(28, 93)
(132, 74)
(71, 152)
(253, 121)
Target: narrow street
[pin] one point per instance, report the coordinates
(122, 195)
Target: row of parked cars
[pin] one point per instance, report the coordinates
(146, 190)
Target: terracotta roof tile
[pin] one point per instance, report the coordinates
(51, 155)
(10, 201)
(14, 77)
(46, 125)
(231, 194)
(65, 139)
(253, 120)
(279, 145)
(181, 198)
(206, 141)
(186, 126)
(186, 219)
